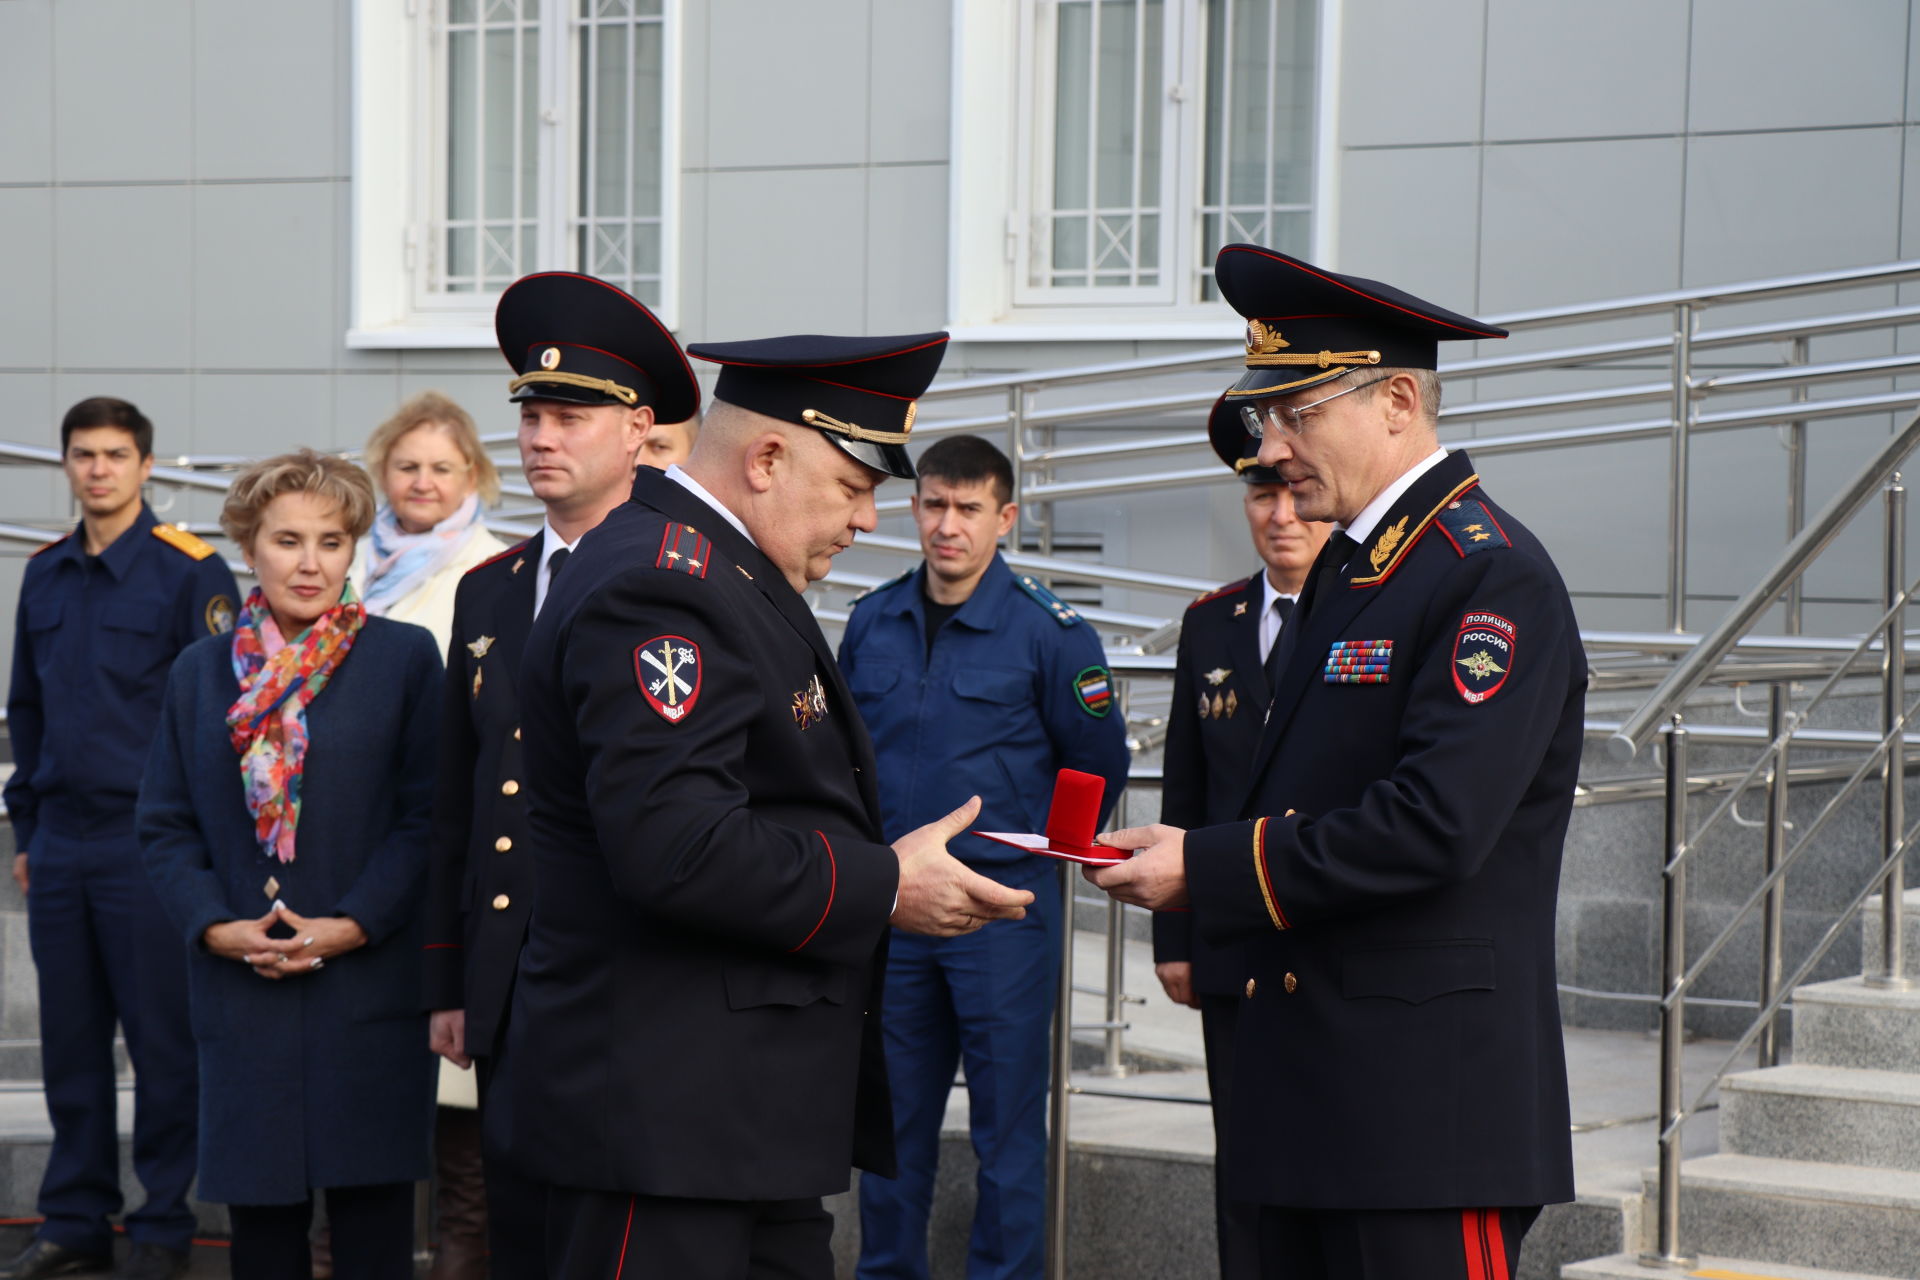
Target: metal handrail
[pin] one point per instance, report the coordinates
(1692, 670)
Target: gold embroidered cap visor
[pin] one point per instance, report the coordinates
(860, 393)
(579, 339)
(1307, 326)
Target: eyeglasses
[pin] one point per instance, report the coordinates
(1288, 419)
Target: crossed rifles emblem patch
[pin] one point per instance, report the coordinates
(668, 671)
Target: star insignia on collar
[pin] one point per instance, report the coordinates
(478, 648)
(673, 555)
(1240, 608)
(1218, 675)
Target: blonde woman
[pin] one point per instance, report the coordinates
(434, 478)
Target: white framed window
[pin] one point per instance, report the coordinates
(497, 137)
(1142, 135)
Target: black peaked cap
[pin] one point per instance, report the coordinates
(1235, 446)
(579, 339)
(861, 393)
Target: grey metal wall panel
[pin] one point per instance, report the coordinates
(1563, 222)
(805, 274)
(123, 90)
(264, 276)
(26, 224)
(26, 91)
(124, 275)
(906, 247)
(910, 82)
(254, 413)
(1769, 204)
(1412, 71)
(1580, 71)
(787, 83)
(1411, 215)
(271, 116)
(1777, 64)
(166, 399)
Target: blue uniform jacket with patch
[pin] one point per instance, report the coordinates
(1015, 690)
(94, 640)
(1395, 869)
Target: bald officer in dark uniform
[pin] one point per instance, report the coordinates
(1399, 1092)
(696, 1018)
(594, 371)
(1223, 679)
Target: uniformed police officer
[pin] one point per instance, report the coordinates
(696, 1017)
(1223, 679)
(1399, 1094)
(103, 612)
(974, 681)
(594, 368)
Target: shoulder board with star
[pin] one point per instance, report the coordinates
(877, 588)
(1062, 612)
(514, 550)
(180, 540)
(46, 547)
(1470, 526)
(1229, 589)
(683, 549)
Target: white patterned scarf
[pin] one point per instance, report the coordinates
(398, 562)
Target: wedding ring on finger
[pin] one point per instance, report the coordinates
(317, 963)
(307, 941)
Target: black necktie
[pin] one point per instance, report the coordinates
(1285, 608)
(554, 562)
(1329, 568)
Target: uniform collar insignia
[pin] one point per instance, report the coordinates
(1239, 608)
(478, 648)
(1388, 541)
(519, 564)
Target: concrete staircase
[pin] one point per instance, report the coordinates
(1819, 1168)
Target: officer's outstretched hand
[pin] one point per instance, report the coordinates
(1155, 877)
(941, 895)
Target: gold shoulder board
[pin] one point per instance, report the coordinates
(181, 540)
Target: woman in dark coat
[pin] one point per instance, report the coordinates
(284, 821)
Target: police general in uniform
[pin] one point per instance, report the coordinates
(1223, 678)
(695, 1023)
(975, 680)
(1399, 1093)
(103, 613)
(594, 371)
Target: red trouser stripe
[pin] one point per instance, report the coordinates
(625, 1236)
(1473, 1244)
(1496, 1246)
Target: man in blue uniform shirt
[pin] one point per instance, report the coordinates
(974, 681)
(103, 612)
(1399, 1083)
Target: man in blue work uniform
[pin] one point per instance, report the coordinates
(974, 681)
(103, 612)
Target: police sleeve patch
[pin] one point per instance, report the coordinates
(1482, 655)
(219, 615)
(668, 671)
(1093, 689)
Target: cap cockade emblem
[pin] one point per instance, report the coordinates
(550, 358)
(1262, 341)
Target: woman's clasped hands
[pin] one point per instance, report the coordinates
(313, 943)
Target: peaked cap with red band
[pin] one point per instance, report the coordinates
(860, 393)
(579, 339)
(1307, 325)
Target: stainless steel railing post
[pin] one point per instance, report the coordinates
(1673, 965)
(1061, 1078)
(1796, 489)
(1115, 1064)
(1893, 704)
(1017, 455)
(1677, 466)
(1772, 910)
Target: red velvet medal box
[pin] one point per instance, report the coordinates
(1071, 822)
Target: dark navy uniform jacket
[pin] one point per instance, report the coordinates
(697, 1010)
(480, 870)
(1220, 698)
(1017, 690)
(1398, 1045)
(94, 639)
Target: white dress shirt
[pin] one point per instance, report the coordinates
(1270, 623)
(1362, 527)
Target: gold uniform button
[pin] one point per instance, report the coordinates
(503, 844)
(501, 902)
(509, 788)
(1291, 983)
(1249, 988)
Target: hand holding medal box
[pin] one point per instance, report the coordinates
(1071, 822)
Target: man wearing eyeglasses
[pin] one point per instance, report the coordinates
(1399, 1087)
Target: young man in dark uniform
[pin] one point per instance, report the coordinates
(1399, 1093)
(103, 613)
(1223, 678)
(595, 371)
(696, 1017)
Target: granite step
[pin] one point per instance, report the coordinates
(1849, 1023)
(1627, 1266)
(1872, 929)
(1802, 1213)
(1834, 1115)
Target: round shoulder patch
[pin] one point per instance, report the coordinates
(1093, 689)
(1482, 655)
(219, 615)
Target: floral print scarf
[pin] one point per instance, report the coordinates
(268, 725)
